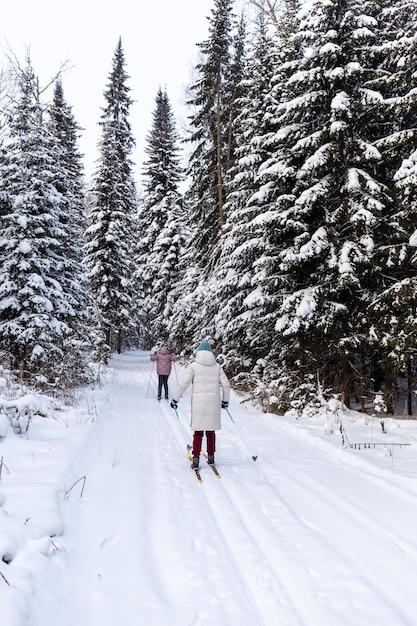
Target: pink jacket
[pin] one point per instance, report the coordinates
(163, 361)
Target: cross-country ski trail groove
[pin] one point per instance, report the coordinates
(296, 537)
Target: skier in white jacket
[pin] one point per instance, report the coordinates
(208, 378)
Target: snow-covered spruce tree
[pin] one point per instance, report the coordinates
(109, 236)
(210, 135)
(235, 89)
(70, 183)
(392, 312)
(323, 275)
(275, 180)
(213, 98)
(243, 244)
(39, 314)
(160, 226)
(406, 179)
(5, 200)
(246, 317)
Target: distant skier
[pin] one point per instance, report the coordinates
(164, 359)
(208, 378)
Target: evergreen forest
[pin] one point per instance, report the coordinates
(281, 225)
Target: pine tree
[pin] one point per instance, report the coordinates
(5, 200)
(214, 98)
(329, 199)
(211, 135)
(109, 236)
(38, 311)
(66, 131)
(392, 312)
(243, 245)
(244, 325)
(160, 225)
(70, 183)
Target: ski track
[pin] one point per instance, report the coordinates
(257, 577)
(135, 463)
(347, 551)
(360, 511)
(329, 548)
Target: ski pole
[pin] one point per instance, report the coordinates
(228, 412)
(254, 457)
(150, 378)
(176, 412)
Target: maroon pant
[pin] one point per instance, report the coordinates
(198, 440)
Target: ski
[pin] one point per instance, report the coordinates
(196, 471)
(215, 470)
(213, 467)
(197, 474)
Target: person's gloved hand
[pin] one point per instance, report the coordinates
(224, 404)
(174, 404)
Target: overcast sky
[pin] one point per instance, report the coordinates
(159, 39)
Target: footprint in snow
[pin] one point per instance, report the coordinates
(108, 542)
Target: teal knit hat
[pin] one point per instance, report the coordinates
(204, 345)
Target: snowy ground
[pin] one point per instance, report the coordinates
(102, 521)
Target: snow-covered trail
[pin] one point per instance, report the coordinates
(299, 537)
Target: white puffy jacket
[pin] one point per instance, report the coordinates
(207, 377)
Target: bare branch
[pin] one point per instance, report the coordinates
(18, 69)
(64, 67)
(270, 8)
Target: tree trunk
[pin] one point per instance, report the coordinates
(270, 9)
(119, 341)
(346, 381)
(219, 173)
(409, 387)
(389, 388)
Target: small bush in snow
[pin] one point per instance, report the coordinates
(379, 403)
(328, 428)
(4, 426)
